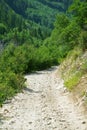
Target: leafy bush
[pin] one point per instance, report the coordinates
(3, 28)
(18, 60)
(83, 40)
(11, 81)
(10, 84)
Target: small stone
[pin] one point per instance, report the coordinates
(83, 122)
(44, 118)
(12, 122)
(49, 123)
(6, 110)
(45, 105)
(49, 118)
(43, 96)
(62, 120)
(30, 122)
(54, 127)
(38, 120)
(43, 110)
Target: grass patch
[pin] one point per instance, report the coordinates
(84, 67)
(73, 81)
(75, 53)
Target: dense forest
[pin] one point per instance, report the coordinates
(36, 17)
(35, 35)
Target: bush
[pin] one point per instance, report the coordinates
(83, 40)
(10, 84)
(3, 28)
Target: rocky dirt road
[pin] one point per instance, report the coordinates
(43, 105)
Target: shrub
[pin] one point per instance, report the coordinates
(3, 28)
(10, 84)
(83, 40)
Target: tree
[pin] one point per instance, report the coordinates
(79, 10)
(3, 28)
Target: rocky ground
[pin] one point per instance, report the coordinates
(43, 105)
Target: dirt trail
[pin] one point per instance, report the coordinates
(43, 105)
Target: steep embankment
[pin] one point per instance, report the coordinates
(74, 73)
(43, 105)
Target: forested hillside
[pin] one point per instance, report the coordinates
(36, 16)
(38, 11)
(37, 34)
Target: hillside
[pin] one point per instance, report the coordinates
(74, 72)
(36, 16)
(38, 11)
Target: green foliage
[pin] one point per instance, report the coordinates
(11, 81)
(83, 40)
(36, 17)
(74, 67)
(41, 12)
(61, 22)
(10, 84)
(79, 9)
(69, 33)
(3, 28)
(64, 36)
(75, 73)
(43, 58)
(18, 60)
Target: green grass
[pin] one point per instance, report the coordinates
(73, 81)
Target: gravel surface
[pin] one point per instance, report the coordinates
(43, 105)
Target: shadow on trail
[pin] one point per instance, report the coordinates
(31, 90)
(53, 68)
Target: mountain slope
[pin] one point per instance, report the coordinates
(36, 16)
(74, 72)
(38, 11)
